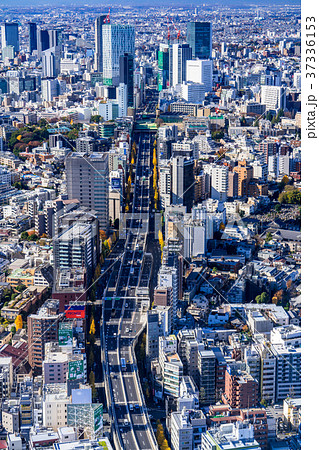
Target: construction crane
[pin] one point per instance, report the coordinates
(169, 31)
(178, 31)
(107, 19)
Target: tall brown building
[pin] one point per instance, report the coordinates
(42, 328)
(245, 174)
(232, 185)
(241, 389)
(268, 147)
(163, 296)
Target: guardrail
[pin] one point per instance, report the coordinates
(154, 441)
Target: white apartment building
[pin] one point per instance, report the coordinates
(267, 381)
(194, 238)
(172, 375)
(165, 181)
(168, 277)
(55, 410)
(274, 97)
(260, 171)
(218, 181)
(166, 345)
(181, 431)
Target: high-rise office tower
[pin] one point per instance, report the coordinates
(43, 41)
(10, 35)
(87, 180)
(77, 241)
(122, 100)
(178, 55)
(127, 76)
(32, 28)
(98, 60)
(49, 63)
(182, 181)
(200, 71)
(163, 66)
(116, 40)
(55, 37)
(199, 37)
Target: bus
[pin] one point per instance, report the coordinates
(123, 364)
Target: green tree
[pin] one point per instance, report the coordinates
(73, 134)
(269, 116)
(96, 118)
(268, 237)
(277, 208)
(91, 358)
(24, 235)
(92, 384)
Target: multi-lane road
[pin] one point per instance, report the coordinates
(124, 314)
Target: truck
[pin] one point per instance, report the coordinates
(123, 364)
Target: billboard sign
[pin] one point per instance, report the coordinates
(75, 311)
(76, 370)
(98, 418)
(116, 183)
(65, 336)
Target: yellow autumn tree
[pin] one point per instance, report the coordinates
(18, 322)
(92, 327)
(160, 239)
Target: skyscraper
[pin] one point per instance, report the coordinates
(87, 180)
(127, 76)
(200, 71)
(55, 37)
(116, 40)
(10, 35)
(32, 28)
(182, 184)
(49, 63)
(43, 41)
(163, 66)
(98, 60)
(178, 55)
(199, 37)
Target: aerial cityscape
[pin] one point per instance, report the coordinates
(150, 226)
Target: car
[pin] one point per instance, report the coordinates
(125, 422)
(114, 334)
(131, 407)
(277, 406)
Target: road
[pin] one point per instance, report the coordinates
(124, 308)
